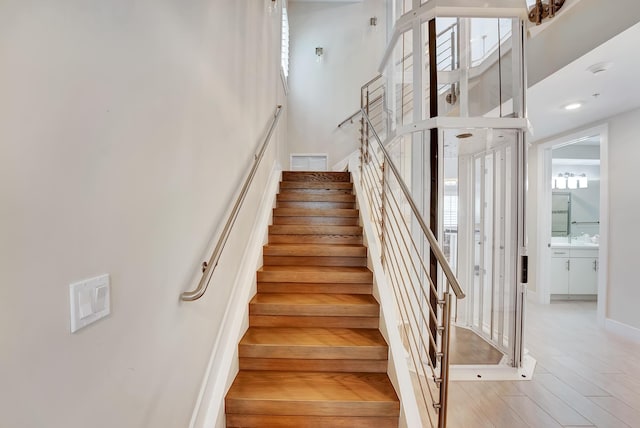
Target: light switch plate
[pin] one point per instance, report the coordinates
(90, 301)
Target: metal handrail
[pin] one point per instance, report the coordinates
(209, 267)
(357, 113)
(433, 242)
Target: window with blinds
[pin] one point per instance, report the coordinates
(284, 55)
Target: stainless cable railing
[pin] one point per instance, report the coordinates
(209, 267)
(408, 249)
(350, 119)
(373, 103)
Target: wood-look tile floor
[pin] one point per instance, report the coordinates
(585, 377)
(467, 348)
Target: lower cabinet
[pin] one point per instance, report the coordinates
(560, 274)
(574, 271)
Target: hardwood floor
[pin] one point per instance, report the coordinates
(584, 377)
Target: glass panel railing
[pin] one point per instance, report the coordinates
(474, 65)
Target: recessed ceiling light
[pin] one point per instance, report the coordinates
(464, 135)
(573, 106)
(599, 67)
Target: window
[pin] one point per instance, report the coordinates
(284, 55)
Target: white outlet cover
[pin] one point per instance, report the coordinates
(90, 300)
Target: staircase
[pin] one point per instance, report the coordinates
(313, 355)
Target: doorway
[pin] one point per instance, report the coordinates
(572, 219)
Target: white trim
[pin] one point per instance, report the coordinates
(344, 163)
(220, 372)
(543, 269)
(625, 330)
(465, 123)
(398, 368)
(603, 253)
(502, 371)
(544, 224)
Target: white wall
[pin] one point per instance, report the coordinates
(624, 211)
(125, 128)
(324, 94)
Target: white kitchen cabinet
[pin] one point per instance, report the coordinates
(574, 271)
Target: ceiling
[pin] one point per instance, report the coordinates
(617, 88)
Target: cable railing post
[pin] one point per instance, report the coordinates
(383, 197)
(366, 107)
(444, 362)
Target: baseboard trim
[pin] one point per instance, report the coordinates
(624, 330)
(220, 372)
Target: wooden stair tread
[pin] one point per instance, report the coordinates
(315, 274)
(314, 229)
(290, 421)
(316, 269)
(313, 337)
(338, 221)
(312, 393)
(318, 250)
(316, 191)
(314, 305)
(314, 288)
(313, 343)
(314, 176)
(316, 212)
(316, 239)
(301, 260)
(312, 320)
(324, 299)
(316, 204)
(312, 197)
(307, 364)
(323, 185)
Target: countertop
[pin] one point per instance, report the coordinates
(576, 245)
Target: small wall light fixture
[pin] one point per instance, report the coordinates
(569, 180)
(373, 21)
(319, 53)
